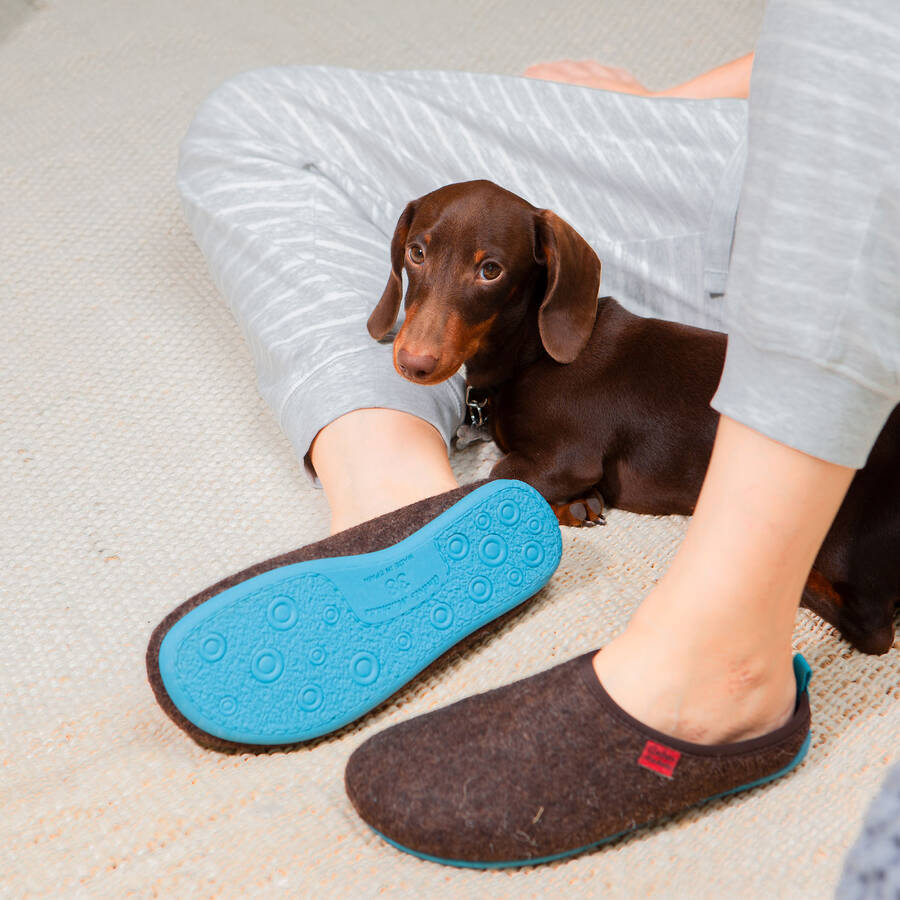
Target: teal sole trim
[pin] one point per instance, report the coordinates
(509, 864)
(301, 650)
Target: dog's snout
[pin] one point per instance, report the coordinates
(416, 366)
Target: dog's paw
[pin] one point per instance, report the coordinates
(582, 512)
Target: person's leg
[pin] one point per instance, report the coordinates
(872, 867)
(371, 461)
(301, 264)
(813, 361)
(707, 655)
(292, 178)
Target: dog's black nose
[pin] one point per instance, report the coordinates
(415, 366)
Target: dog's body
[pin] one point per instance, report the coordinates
(629, 417)
(586, 396)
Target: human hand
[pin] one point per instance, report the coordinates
(588, 73)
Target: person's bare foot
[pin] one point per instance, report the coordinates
(707, 656)
(688, 682)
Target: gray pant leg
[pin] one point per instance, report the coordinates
(292, 179)
(813, 294)
(872, 867)
(300, 263)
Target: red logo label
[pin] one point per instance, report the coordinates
(660, 759)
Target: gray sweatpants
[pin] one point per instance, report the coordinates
(292, 179)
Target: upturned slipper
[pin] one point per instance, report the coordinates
(303, 643)
(545, 768)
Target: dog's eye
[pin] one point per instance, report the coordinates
(416, 254)
(489, 271)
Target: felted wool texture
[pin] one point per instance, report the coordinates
(367, 537)
(140, 466)
(543, 766)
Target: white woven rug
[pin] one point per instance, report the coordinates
(140, 465)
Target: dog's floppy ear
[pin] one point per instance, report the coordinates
(567, 313)
(385, 313)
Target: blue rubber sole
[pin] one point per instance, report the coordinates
(301, 650)
(510, 864)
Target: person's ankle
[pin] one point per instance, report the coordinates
(698, 686)
(373, 461)
(354, 507)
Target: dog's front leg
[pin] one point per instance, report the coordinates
(576, 502)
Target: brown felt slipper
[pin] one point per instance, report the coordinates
(299, 645)
(546, 767)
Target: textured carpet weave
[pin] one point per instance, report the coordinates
(140, 465)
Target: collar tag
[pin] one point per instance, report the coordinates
(476, 403)
(475, 427)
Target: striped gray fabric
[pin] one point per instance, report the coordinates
(813, 295)
(292, 179)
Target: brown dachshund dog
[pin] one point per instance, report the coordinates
(591, 402)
